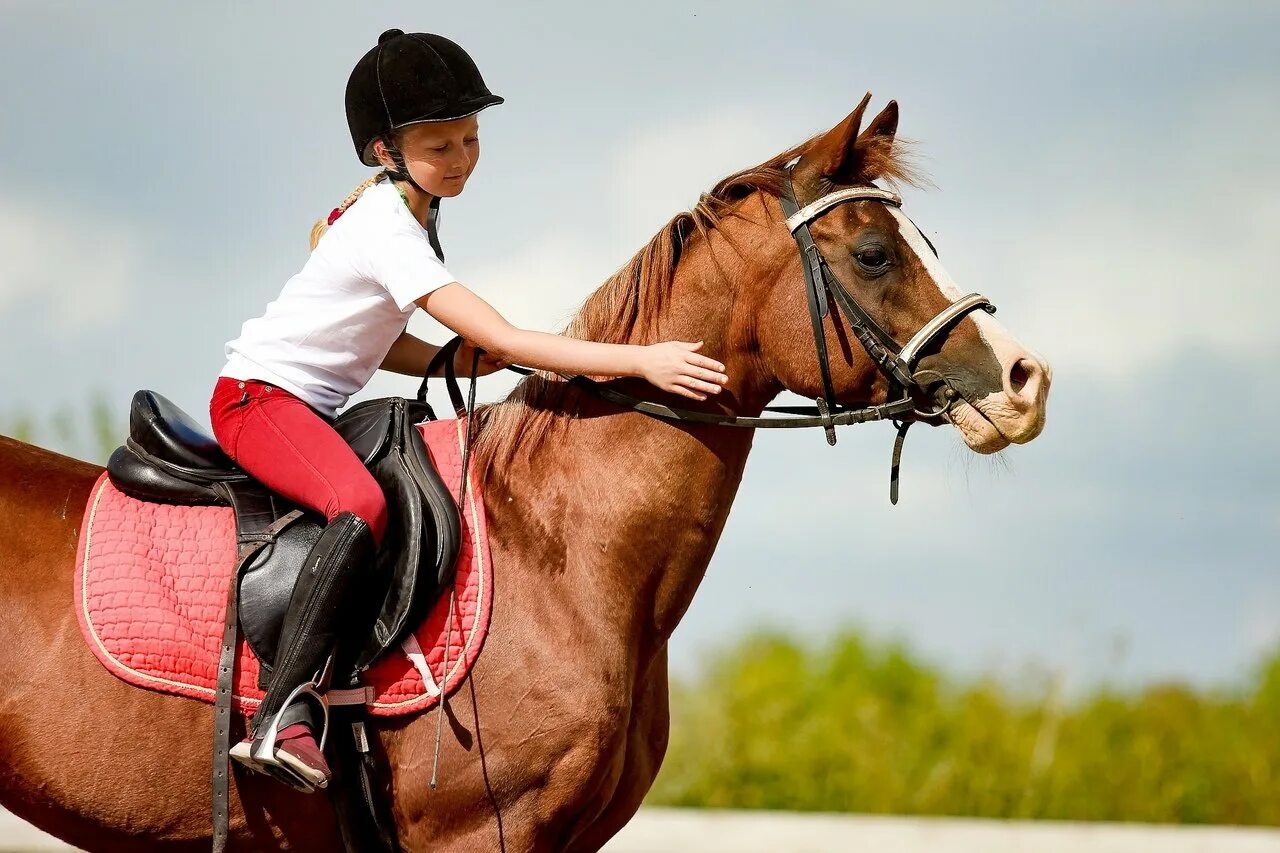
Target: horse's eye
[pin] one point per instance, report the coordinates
(872, 257)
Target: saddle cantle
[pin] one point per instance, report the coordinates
(169, 458)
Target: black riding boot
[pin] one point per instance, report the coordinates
(322, 608)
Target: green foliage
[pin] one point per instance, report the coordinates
(88, 432)
(866, 727)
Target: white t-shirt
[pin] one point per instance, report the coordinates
(334, 321)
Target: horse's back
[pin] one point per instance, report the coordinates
(89, 746)
(32, 479)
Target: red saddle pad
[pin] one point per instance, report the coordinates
(151, 591)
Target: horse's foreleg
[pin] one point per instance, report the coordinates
(646, 746)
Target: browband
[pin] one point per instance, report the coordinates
(813, 208)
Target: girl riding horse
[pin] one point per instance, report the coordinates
(412, 106)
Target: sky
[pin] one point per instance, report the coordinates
(1107, 174)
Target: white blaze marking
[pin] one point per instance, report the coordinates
(997, 337)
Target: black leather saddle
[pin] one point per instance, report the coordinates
(169, 458)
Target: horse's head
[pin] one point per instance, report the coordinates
(730, 273)
(996, 387)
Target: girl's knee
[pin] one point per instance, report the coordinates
(369, 504)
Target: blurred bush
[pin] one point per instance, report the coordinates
(866, 727)
(88, 432)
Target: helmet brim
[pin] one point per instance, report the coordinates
(466, 108)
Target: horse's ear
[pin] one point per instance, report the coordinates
(828, 155)
(883, 127)
(845, 156)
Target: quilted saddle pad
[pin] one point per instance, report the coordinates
(151, 590)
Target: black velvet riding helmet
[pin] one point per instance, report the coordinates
(409, 78)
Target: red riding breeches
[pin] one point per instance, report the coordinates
(293, 450)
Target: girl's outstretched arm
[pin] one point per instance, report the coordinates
(672, 365)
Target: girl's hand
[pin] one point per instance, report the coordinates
(489, 363)
(674, 366)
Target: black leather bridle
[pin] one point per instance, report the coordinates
(897, 362)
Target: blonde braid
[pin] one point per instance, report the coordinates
(322, 225)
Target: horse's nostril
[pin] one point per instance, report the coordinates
(1019, 375)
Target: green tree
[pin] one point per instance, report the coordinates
(856, 725)
(89, 432)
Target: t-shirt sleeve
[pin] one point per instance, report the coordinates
(407, 267)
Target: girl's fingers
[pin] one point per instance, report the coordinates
(687, 393)
(708, 374)
(703, 361)
(698, 384)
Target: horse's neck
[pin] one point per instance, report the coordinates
(620, 515)
(625, 508)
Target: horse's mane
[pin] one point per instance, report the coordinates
(628, 303)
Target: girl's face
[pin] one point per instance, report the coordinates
(440, 155)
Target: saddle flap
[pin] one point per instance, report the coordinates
(266, 585)
(370, 426)
(425, 541)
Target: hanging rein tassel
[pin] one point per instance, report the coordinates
(897, 460)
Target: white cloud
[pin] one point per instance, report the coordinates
(1163, 239)
(1152, 248)
(80, 265)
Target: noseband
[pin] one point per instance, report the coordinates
(896, 362)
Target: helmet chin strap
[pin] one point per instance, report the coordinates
(402, 174)
(402, 169)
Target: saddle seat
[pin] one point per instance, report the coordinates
(169, 458)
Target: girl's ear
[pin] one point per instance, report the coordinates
(380, 152)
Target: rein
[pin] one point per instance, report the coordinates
(896, 362)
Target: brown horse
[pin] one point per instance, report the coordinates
(602, 523)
